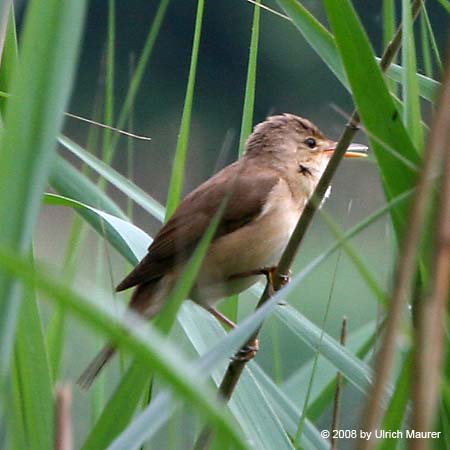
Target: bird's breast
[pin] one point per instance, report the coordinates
(258, 244)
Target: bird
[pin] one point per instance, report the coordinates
(263, 193)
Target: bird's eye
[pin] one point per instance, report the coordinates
(310, 142)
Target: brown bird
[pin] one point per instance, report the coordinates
(265, 193)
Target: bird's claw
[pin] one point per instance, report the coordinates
(247, 352)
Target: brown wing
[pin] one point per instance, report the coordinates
(178, 238)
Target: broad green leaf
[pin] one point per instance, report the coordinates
(119, 181)
(71, 183)
(429, 88)
(287, 411)
(155, 352)
(122, 235)
(34, 112)
(375, 106)
(324, 44)
(248, 400)
(177, 177)
(355, 370)
(293, 387)
(120, 407)
(33, 391)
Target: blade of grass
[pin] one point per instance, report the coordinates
(177, 176)
(40, 91)
(389, 27)
(396, 411)
(411, 111)
(425, 42)
(301, 421)
(140, 68)
(230, 307)
(8, 49)
(250, 86)
(108, 113)
(324, 44)
(148, 345)
(32, 376)
(434, 45)
(124, 403)
(204, 330)
(119, 181)
(375, 105)
(122, 235)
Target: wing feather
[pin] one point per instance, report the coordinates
(178, 238)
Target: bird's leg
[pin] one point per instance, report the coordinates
(220, 317)
(247, 352)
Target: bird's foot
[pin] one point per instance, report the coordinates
(247, 352)
(272, 275)
(269, 272)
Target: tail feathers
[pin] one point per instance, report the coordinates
(94, 368)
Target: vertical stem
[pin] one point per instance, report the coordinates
(63, 417)
(337, 394)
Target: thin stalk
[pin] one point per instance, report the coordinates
(337, 395)
(430, 338)
(302, 419)
(63, 416)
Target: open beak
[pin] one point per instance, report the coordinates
(353, 151)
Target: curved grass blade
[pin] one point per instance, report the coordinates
(138, 73)
(411, 108)
(143, 342)
(8, 54)
(249, 400)
(119, 181)
(250, 85)
(375, 105)
(324, 44)
(122, 235)
(72, 183)
(33, 393)
(39, 93)
(177, 177)
(356, 371)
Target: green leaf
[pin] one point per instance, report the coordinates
(33, 393)
(141, 65)
(396, 411)
(122, 235)
(119, 181)
(411, 110)
(324, 44)
(143, 342)
(250, 398)
(34, 112)
(176, 179)
(120, 407)
(375, 106)
(250, 85)
(293, 387)
(355, 370)
(9, 57)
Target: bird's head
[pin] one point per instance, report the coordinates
(289, 139)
